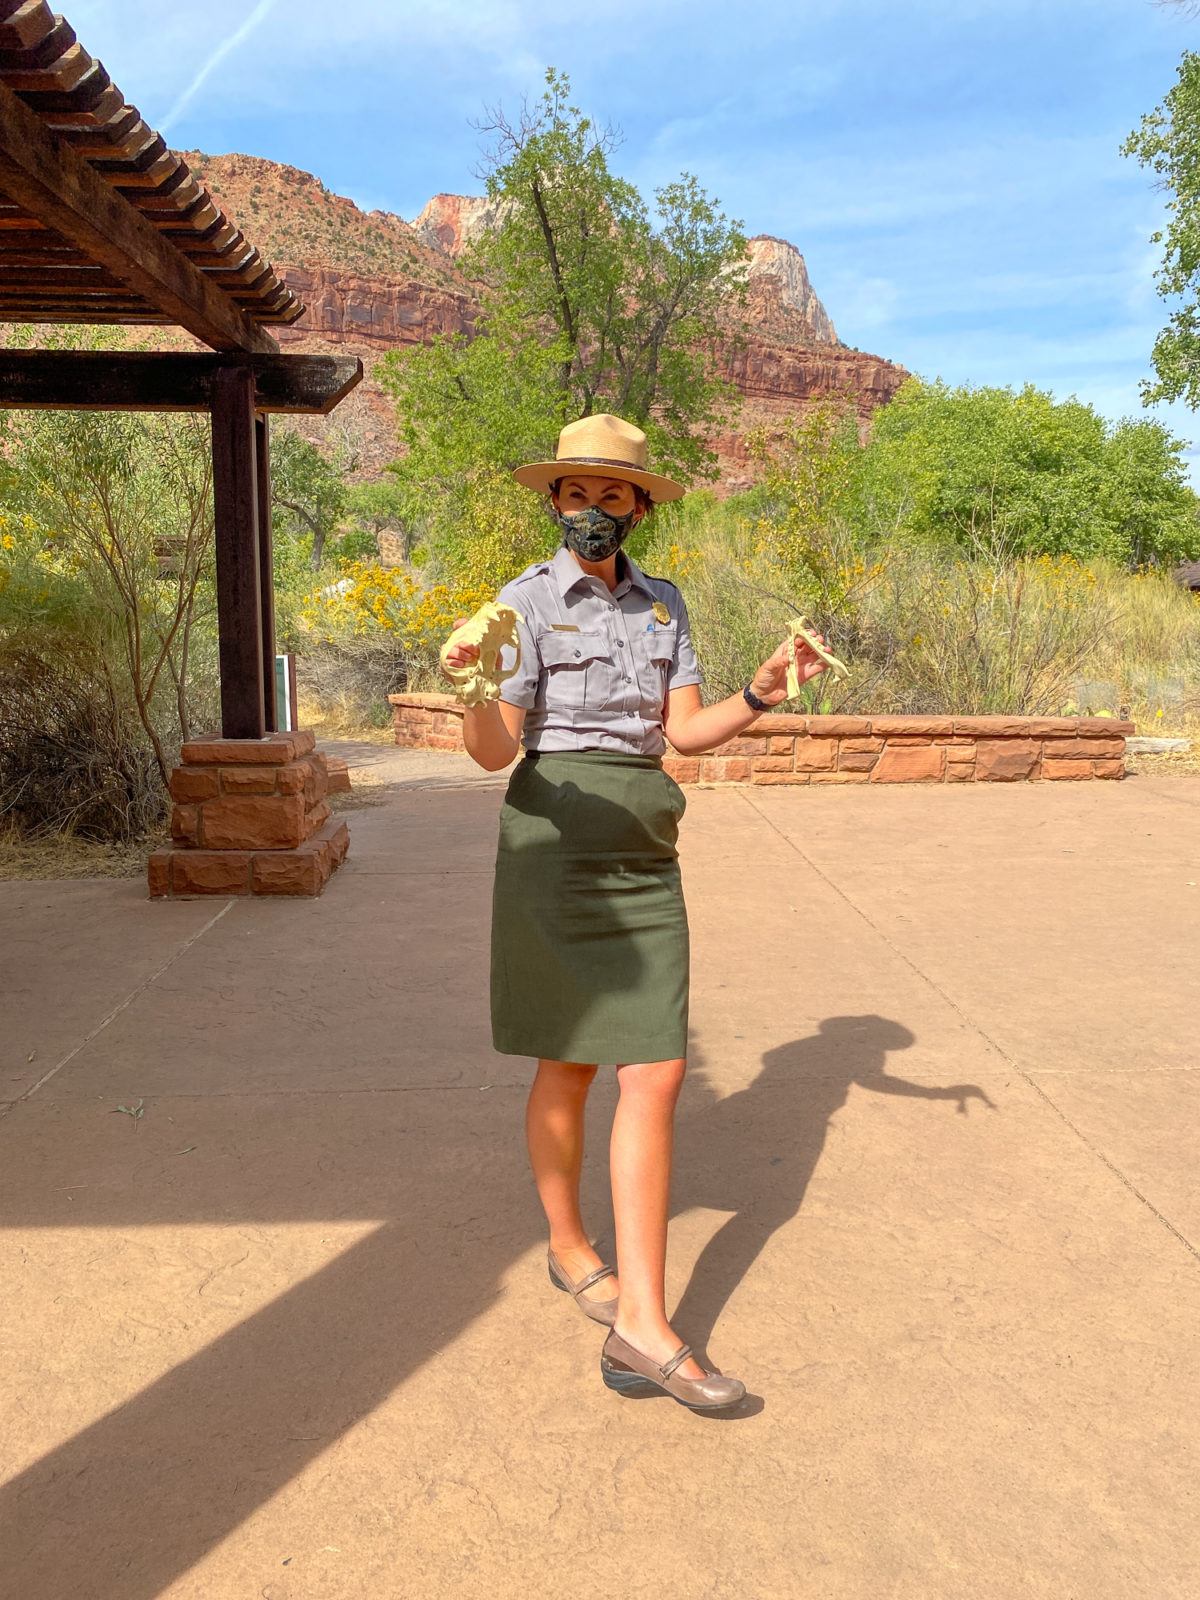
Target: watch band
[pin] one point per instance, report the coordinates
(753, 701)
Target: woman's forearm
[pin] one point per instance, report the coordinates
(712, 725)
(487, 741)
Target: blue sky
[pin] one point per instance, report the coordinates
(950, 169)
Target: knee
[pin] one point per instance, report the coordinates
(660, 1079)
(567, 1077)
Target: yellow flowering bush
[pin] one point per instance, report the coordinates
(30, 566)
(371, 598)
(501, 528)
(680, 560)
(19, 540)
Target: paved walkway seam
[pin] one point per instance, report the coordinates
(118, 1008)
(1178, 799)
(1115, 1170)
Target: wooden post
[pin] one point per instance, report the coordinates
(239, 586)
(266, 575)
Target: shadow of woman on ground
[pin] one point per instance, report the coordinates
(753, 1152)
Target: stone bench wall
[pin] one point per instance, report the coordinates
(427, 721)
(901, 749)
(885, 749)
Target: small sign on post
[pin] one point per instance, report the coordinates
(286, 716)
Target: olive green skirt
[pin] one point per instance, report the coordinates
(590, 948)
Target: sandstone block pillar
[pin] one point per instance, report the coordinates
(250, 817)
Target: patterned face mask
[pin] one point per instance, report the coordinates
(592, 533)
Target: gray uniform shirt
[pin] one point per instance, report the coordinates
(596, 665)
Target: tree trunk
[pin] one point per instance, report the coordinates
(318, 532)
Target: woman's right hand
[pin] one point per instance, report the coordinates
(462, 654)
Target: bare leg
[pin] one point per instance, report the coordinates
(642, 1142)
(554, 1133)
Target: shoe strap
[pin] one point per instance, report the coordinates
(681, 1354)
(592, 1277)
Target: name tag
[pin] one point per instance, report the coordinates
(565, 627)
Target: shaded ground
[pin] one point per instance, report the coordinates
(288, 1332)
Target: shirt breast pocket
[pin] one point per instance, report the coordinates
(655, 653)
(578, 668)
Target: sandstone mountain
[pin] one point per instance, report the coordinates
(372, 281)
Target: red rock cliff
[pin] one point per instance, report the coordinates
(372, 282)
(376, 312)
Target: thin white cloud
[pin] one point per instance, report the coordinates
(957, 291)
(214, 60)
(789, 93)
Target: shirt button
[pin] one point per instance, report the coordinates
(628, 679)
(620, 644)
(579, 652)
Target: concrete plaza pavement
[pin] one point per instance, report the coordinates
(288, 1332)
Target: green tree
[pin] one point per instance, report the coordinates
(579, 255)
(464, 405)
(1054, 475)
(116, 516)
(1168, 142)
(591, 300)
(311, 485)
(379, 505)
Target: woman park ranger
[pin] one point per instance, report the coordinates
(589, 951)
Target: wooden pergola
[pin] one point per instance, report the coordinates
(101, 223)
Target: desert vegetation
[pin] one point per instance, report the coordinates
(1021, 584)
(986, 612)
(984, 550)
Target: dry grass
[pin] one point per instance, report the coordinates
(342, 722)
(63, 855)
(344, 687)
(930, 632)
(1170, 764)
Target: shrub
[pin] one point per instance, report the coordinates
(975, 630)
(71, 754)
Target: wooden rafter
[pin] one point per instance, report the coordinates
(86, 188)
(55, 186)
(101, 223)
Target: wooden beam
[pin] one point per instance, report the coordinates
(239, 582)
(104, 380)
(62, 190)
(119, 317)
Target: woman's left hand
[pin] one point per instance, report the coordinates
(769, 683)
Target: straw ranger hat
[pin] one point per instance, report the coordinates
(600, 447)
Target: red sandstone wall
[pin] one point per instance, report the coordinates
(886, 749)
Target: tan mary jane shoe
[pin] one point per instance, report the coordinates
(604, 1311)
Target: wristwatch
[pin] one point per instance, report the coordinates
(753, 701)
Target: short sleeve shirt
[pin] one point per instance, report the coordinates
(596, 664)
